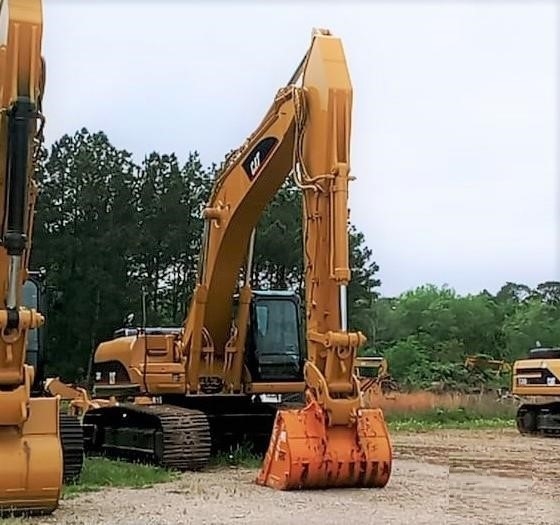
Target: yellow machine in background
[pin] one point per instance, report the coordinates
(31, 456)
(501, 370)
(538, 377)
(375, 381)
(171, 394)
(485, 362)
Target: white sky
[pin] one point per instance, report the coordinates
(454, 140)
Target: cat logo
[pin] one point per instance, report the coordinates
(256, 159)
(255, 163)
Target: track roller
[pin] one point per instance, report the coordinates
(169, 436)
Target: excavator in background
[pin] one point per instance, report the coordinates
(33, 432)
(537, 379)
(481, 363)
(375, 381)
(171, 395)
(487, 362)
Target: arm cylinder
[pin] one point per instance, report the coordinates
(19, 123)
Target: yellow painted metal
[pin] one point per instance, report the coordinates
(31, 459)
(30, 446)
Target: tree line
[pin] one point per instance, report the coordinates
(108, 229)
(426, 334)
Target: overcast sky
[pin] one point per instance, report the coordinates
(455, 120)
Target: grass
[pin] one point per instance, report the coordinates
(99, 473)
(441, 418)
(422, 411)
(241, 456)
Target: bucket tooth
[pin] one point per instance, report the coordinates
(304, 453)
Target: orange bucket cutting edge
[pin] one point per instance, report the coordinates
(304, 453)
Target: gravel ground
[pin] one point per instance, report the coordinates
(444, 477)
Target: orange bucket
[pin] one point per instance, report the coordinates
(304, 453)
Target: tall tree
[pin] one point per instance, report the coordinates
(84, 218)
(168, 202)
(278, 261)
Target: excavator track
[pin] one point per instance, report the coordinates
(72, 437)
(169, 436)
(539, 419)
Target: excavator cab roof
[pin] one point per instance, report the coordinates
(287, 294)
(153, 330)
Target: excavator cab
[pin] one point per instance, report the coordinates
(274, 347)
(33, 296)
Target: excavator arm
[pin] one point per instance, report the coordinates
(333, 441)
(30, 447)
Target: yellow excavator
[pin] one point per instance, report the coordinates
(537, 379)
(30, 441)
(37, 442)
(171, 395)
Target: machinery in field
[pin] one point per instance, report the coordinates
(486, 362)
(538, 377)
(32, 431)
(375, 380)
(170, 395)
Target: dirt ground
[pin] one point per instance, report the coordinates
(454, 477)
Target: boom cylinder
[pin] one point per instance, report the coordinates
(202, 258)
(20, 117)
(339, 227)
(343, 308)
(13, 274)
(250, 254)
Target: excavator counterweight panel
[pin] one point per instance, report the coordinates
(304, 453)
